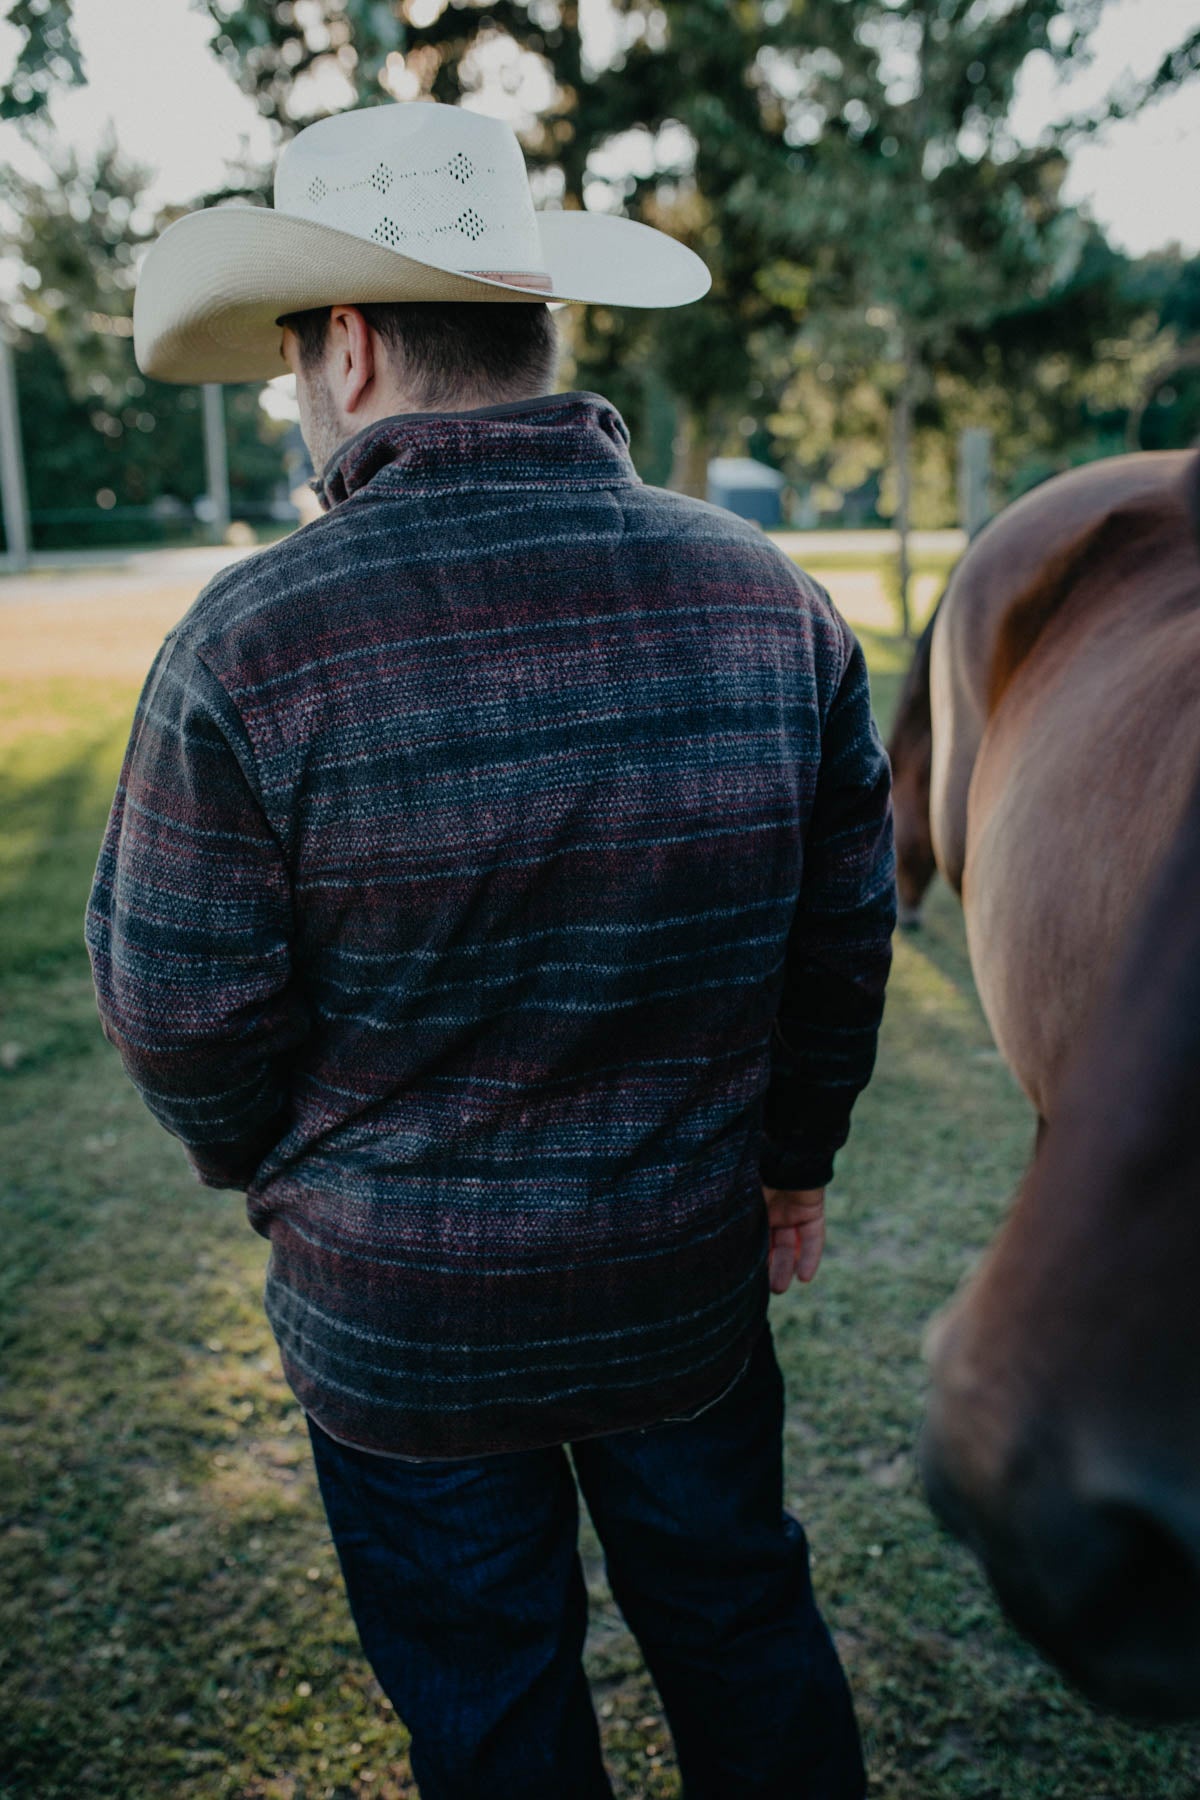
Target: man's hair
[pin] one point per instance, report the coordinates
(490, 351)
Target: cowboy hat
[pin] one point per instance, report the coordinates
(401, 201)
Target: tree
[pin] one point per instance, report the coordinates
(845, 167)
(1166, 413)
(915, 217)
(99, 434)
(846, 164)
(47, 59)
(683, 66)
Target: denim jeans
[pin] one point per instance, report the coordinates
(466, 1587)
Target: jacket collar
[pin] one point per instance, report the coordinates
(577, 439)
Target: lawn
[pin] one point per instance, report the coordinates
(171, 1620)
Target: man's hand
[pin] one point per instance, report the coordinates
(797, 1219)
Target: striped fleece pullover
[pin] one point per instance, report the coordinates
(500, 884)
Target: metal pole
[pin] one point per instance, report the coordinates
(216, 461)
(12, 466)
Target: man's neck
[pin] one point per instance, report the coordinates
(398, 403)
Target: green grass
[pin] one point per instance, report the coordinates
(171, 1620)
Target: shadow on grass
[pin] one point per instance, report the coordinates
(55, 819)
(54, 822)
(173, 1619)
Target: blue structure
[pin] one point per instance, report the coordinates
(748, 488)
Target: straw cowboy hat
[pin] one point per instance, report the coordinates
(401, 201)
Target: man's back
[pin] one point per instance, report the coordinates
(545, 799)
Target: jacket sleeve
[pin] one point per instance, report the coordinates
(189, 927)
(839, 949)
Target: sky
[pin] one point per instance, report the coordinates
(176, 109)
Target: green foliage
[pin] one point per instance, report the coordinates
(268, 48)
(952, 273)
(1130, 94)
(845, 168)
(688, 65)
(92, 424)
(47, 59)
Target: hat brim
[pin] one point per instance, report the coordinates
(212, 287)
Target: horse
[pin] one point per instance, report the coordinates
(1022, 720)
(1064, 696)
(1062, 1440)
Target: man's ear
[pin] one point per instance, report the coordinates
(350, 362)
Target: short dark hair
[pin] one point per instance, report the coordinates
(500, 350)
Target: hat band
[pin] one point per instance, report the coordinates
(514, 278)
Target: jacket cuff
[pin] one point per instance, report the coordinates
(796, 1167)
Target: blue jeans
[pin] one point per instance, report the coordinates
(467, 1590)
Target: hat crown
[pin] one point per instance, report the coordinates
(444, 185)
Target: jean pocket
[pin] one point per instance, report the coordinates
(706, 1406)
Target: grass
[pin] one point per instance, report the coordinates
(171, 1619)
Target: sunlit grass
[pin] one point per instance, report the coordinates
(172, 1621)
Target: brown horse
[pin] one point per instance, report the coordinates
(1063, 1438)
(1068, 625)
(1063, 1435)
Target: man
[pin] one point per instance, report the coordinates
(499, 891)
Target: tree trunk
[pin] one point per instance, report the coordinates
(216, 461)
(689, 471)
(13, 500)
(902, 459)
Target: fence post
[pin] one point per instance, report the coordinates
(12, 466)
(974, 479)
(216, 461)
